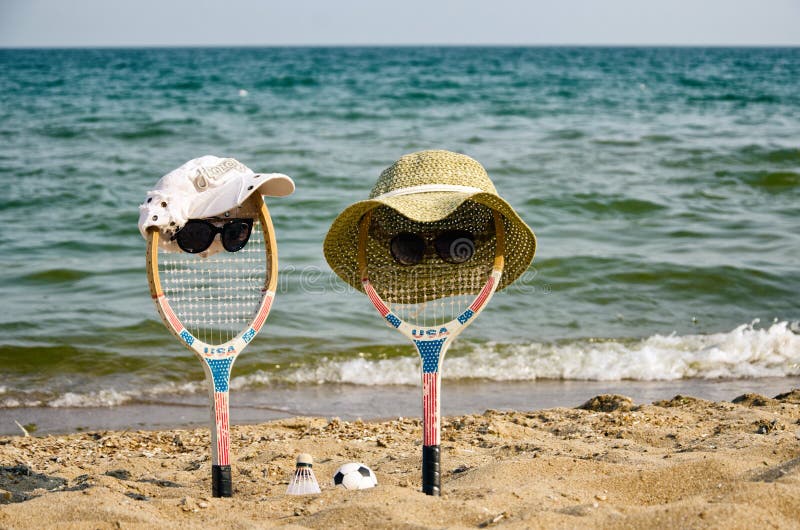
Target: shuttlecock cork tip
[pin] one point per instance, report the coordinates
(303, 481)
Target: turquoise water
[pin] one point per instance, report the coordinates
(663, 185)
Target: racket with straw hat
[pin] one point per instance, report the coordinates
(429, 248)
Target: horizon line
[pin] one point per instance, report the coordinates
(385, 45)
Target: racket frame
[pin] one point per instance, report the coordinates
(432, 343)
(217, 359)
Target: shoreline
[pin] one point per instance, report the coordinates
(372, 403)
(680, 462)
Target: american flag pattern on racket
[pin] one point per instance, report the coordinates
(222, 426)
(430, 408)
(216, 305)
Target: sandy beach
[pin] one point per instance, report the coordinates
(611, 463)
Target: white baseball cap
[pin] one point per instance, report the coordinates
(204, 187)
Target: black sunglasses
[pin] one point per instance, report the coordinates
(452, 246)
(198, 234)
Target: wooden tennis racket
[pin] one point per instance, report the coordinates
(216, 304)
(433, 298)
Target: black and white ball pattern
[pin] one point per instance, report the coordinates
(355, 476)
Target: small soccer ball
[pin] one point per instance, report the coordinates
(355, 476)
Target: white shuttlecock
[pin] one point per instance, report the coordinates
(303, 481)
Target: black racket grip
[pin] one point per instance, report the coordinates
(221, 485)
(431, 470)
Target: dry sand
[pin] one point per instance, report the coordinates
(683, 463)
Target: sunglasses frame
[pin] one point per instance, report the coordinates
(216, 230)
(427, 240)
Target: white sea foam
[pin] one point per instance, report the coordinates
(747, 351)
(111, 397)
(101, 398)
(361, 371)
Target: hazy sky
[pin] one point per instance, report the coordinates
(292, 22)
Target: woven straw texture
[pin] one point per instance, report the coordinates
(427, 213)
(432, 278)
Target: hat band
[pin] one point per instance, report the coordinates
(427, 188)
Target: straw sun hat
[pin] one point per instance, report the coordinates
(426, 189)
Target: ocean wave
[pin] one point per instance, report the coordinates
(61, 133)
(101, 398)
(735, 98)
(565, 134)
(600, 206)
(763, 157)
(774, 180)
(287, 81)
(144, 132)
(107, 397)
(183, 84)
(748, 351)
(55, 276)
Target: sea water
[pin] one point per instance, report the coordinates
(663, 185)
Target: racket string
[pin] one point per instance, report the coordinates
(432, 278)
(433, 291)
(217, 296)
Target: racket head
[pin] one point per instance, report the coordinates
(215, 302)
(434, 292)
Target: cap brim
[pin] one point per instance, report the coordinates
(270, 184)
(237, 191)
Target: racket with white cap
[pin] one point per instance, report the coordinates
(214, 293)
(441, 276)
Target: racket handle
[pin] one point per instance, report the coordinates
(221, 484)
(431, 470)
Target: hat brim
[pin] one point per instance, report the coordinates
(341, 242)
(237, 191)
(269, 184)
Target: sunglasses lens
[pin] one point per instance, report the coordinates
(235, 235)
(455, 246)
(195, 236)
(407, 249)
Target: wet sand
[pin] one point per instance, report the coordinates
(351, 402)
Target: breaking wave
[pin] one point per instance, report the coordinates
(745, 352)
(748, 351)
